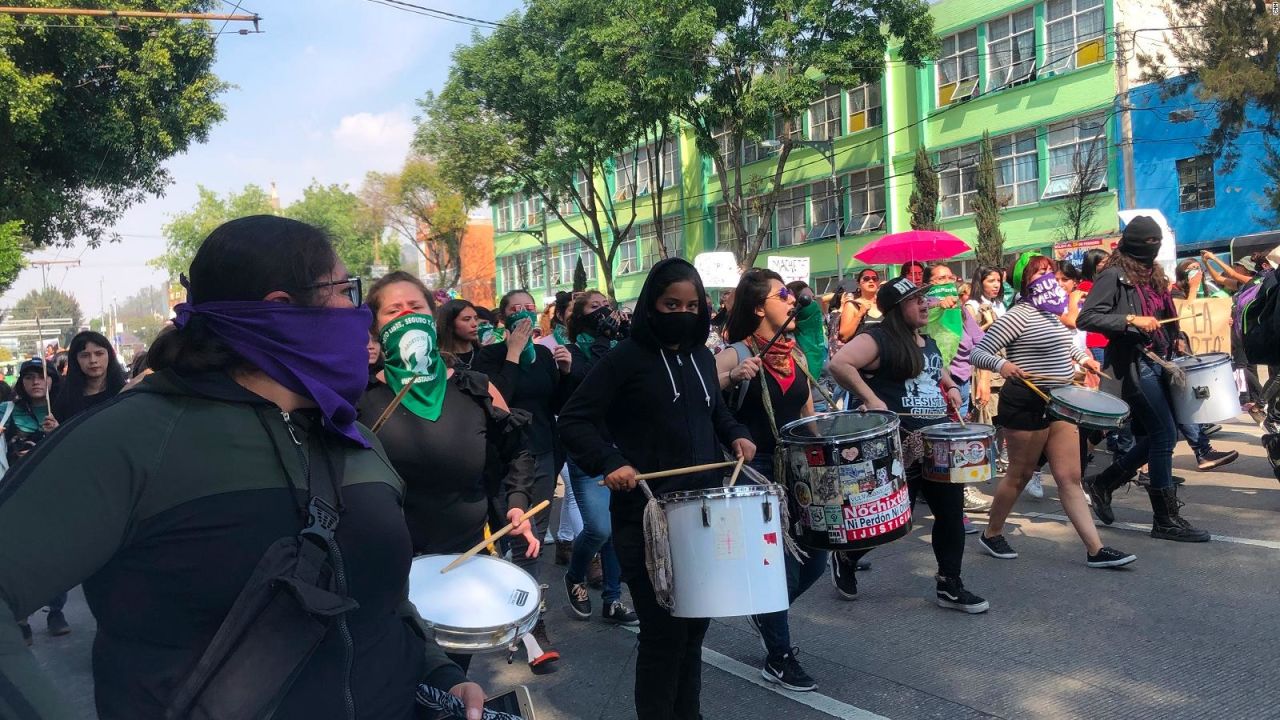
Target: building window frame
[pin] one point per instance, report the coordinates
(957, 180)
(865, 190)
(1088, 135)
(1082, 29)
(826, 210)
(865, 109)
(1011, 55)
(1017, 168)
(1196, 184)
(825, 116)
(790, 208)
(957, 67)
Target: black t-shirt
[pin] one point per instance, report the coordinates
(919, 401)
(441, 463)
(787, 407)
(536, 389)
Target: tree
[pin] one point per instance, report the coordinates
(426, 212)
(342, 215)
(1229, 50)
(1078, 207)
(579, 277)
(143, 314)
(923, 204)
(987, 207)
(185, 233)
(88, 118)
(12, 246)
(731, 69)
(50, 303)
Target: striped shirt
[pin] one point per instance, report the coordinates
(1035, 340)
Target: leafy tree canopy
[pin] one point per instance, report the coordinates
(50, 303)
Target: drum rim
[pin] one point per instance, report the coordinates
(1053, 398)
(533, 585)
(967, 431)
(890, 427)
(1203, 361)
(746, 491)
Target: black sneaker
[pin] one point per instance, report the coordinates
(953, 596)
(579, 599)
(1109, 558)
(1216, 458)
(997, 547)
(842, 577)
(58, 623)
(616, 612)
(786, 671)
(27, 637)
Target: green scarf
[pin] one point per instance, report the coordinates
(413, 358)
(29, 422)
(586, 340)
(529, 353)
(560, 333)
(946, 325)
(811, 336)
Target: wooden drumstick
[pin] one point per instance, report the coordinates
(737, 468)
(1182, 317)
(1037, 390)
(494, 537)
(682, 471)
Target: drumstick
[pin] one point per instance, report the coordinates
(682, 471)
(1037, 390)
(494, 537)
(737, 468)
(1183, 317)
(386, 414)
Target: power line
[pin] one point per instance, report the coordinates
(441, 14)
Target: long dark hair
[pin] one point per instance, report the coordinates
(1090, 261)
(501, 310)
(574, 319)
(243, 259)
(445, 317)
(977, 284)
(751, 293)
(666, 273)
(1141, 274)
(900, 357)
(76, 380)
(20, 394)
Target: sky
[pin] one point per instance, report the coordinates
(327, 91)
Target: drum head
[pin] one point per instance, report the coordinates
(843, 425)
(483, 592)
(1198, 362)
(1093, 402)
(957, 431)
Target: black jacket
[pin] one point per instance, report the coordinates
(661, 407)
(1112, 298)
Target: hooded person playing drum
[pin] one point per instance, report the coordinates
(893, 367)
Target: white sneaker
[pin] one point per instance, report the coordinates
(1035, 488)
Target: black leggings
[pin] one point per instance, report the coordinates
(946, 502)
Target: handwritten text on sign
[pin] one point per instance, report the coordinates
(790, 268)
(1210, 332)
(718, 269)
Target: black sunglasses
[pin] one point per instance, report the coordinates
(354, 293)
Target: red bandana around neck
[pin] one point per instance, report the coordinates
(779, 361)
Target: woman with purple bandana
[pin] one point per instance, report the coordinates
(242, 443)
(1039, 347)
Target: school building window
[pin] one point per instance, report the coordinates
(1077, 156)
(1011, 49)
(1075, 34)
(824, 115)
(958, 67)
(631, 173)
(957, 180)
(792, 229)
(629, 254)
(866, 201)
(1017, 168)
(864, 107)
(1195, 183)
(728, 149)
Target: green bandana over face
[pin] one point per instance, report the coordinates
(946, 325)
(529, 353)
(413, 358)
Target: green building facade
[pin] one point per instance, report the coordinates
(1039, 76)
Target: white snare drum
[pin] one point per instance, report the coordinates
(1210, 394)
(726, 551)
(959, 453)
(483, 604)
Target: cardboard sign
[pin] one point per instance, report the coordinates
(718, 269)
(790, 268)
(1211, 331)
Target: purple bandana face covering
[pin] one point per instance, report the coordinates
(317, 352)
(1046, 294)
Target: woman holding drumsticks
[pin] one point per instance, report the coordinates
(653, 403)
(1041, 355)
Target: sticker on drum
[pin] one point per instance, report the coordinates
(884, 511)
(802, 494)
(816, 456)
(727, 527)
(876, 449)
(825, 485)
(835, 516)
(836, 535)
(817, 517)
(850, 453)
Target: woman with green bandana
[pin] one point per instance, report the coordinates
(535, 379)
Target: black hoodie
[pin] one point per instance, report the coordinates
(662, 408)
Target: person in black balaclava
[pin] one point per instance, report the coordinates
(1127, 303)
(653, 403)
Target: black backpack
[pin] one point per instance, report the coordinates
(1261, 326)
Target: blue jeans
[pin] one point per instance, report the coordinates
(1198, 441)
(966, 392)
(1149, 403)
(1118, 441)
(775, 628)
(596, 535)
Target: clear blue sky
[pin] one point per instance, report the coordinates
(326, 92)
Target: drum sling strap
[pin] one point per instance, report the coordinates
(283, 612)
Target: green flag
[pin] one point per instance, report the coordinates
(413, 358)
(946, 325)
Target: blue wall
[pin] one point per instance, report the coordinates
(1158, 143)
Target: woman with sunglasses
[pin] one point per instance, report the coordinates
(771, 390)
(1035, 353)
(858, 309)
(207, 468)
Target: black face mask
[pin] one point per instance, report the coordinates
(674, 328)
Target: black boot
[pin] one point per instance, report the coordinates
(1167, 523)
(1100, 488)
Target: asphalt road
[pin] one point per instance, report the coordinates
(1188, 631)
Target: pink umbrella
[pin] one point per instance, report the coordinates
(922, 245)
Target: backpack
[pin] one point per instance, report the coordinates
(1260, 323)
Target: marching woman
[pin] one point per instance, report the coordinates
(439, 436)
(93, 375)
(765, 401)
(1039, 349)
(1126, 304)
(987, 303)
(893, 367)
(653, 403)
(593, 329)
(238, 462)
(858, 309)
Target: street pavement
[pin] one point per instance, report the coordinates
(1188, 631)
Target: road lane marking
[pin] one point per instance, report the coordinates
(815, 700)
(1135, 527)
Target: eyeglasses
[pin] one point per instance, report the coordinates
(530, 307)
(783, 294)
(869, 278)
(354, 291)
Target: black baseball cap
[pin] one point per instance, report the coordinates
(894, 292)
(34, 365)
